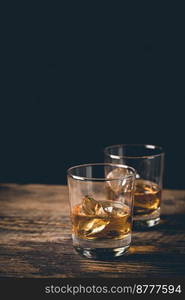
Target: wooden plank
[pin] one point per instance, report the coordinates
(35, 238)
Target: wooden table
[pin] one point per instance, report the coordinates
(35, 238)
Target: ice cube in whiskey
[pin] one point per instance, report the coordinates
(101, 220)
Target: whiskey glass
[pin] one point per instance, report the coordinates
(148, 161)
(101, 208)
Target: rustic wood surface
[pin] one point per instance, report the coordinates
(35, 238)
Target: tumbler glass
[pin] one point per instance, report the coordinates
(101, 206)
(148, 161)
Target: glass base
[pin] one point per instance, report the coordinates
(146, 220)
(102, 249)
(102, 253)
(137, 224)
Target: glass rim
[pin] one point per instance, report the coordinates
(147, 146)
(85, 178)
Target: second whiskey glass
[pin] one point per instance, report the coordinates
(148, 161)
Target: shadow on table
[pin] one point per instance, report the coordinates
(170, 223)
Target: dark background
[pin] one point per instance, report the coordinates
(77, 78)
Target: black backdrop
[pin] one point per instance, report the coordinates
(76, 81)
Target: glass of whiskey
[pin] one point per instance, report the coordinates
(148, 161)
(101, 225)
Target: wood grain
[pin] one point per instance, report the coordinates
(35, 238)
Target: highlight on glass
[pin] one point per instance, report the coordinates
(101, 206)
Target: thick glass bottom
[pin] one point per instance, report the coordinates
(102, 249)
(147, 220)
(102, 253)
(146, 223)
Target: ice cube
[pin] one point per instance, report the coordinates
(108, 209)
(119, 174)
(91, 207)
(94, 226)
(116, 209)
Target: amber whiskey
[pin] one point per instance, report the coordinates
(147, 197)
(106, 219)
